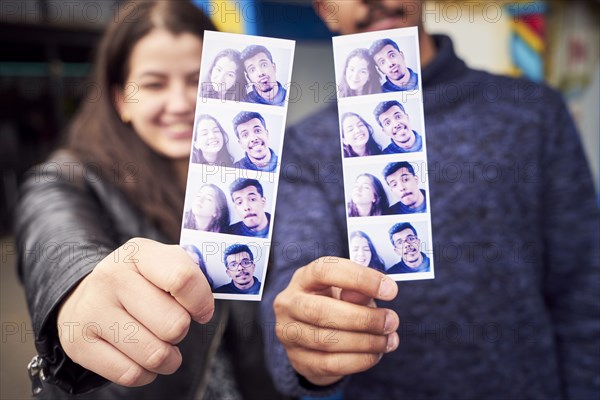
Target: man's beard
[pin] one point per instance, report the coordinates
(377, 11)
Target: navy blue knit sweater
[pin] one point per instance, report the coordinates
(514, 309)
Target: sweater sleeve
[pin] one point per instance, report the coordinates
(61, 235)
(309, 223)
(571, 237)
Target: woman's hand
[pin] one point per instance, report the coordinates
(124, 319)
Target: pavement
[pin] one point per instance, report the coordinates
(16, 342)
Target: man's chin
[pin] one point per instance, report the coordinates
(405, 144)
(259, 156)
(252, 225)
(386, 23)
(245, 282)
(266, 88)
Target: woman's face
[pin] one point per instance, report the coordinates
(223, 74)
(357, 73)
(159, 96)
(355, 131)
(360, 252)
(205, 203)
(363, 192)
(209, 138)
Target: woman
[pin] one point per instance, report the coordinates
(210, 143)
(368, 197)
(105, 306)
(196, 255)
(363, 252)
(357, 137)
(209, 211)
(225, 79)
(360, 75)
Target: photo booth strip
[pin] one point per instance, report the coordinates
(235, 160)
(384, 152)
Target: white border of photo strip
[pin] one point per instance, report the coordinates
(213, 244)
(377, 227)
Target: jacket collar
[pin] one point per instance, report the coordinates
(445, 66)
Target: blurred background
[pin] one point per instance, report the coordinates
(46, 47)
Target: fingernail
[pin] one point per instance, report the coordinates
(388, 324)
(205, 318)
(387, 287)
(392, 342)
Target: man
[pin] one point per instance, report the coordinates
(390, 61)
(249, 202)
(401, 178)
(395, 123)
(261, 72)
(407, 245)
(252, 135)
(513, 309)
(240, 266)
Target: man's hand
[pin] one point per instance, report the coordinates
(328, 322)
(124, 319)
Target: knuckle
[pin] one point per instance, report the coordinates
(319, 344)
(285, 302)
(369, 279)
(298, 361)
(362, 276)
(290, 334)
(138, 241)
(133, 376)
(282, 338)
(158, 356)
(366, 361)
(180, 279)
(207, 307)
(280, 305)
(313, 310)
(74, 345)
(371, 320)
(105, 272)
(319, 269)
(298, 274)
(330, 365)
(178, 328)
(375, 343)
(364, 320)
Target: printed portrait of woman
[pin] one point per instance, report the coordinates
(360, 76)
(362, 251)
(208, 211)
(225, 79)
(368, 197)
(196, 255)
(357, 136)
(210, 143)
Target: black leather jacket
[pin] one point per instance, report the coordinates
(68, 219)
